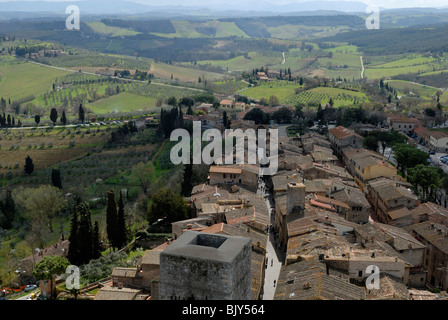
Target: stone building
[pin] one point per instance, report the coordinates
(206, 267)
(435, 237)
(341, 137)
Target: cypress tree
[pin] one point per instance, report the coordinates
(111, 218)
(73, 248)
(63, 118)
(53, 115)
(85, 234)
(81, 113)
(9, 210)
(96, 245)
(121, 223)
(29, 166)
(187, 186)
(56, 178)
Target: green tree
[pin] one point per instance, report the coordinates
(73, 248)
(85, 234)
(225, 120)
(111, 219)
(56, 178)
(96, 241)
(121, 223)
(273, 101)
(29, 166)
(8, 210)
(283, 115)
(371, 142)
(257, 115)
(167, 205)
(37, 119)
(81, 113)
(63, 118)
(48, 268)
(187, 184)
(172, 101)
(41, 204)
(408, 156)
(53, 115)
(428, 179)
(143, 172)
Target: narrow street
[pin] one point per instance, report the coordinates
(274, 256)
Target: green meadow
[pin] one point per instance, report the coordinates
(26, 79)
(122, 102)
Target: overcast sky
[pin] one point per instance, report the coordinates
(378, 3)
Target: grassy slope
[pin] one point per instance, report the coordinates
(25, 79)
(121, 103)
(101, 28)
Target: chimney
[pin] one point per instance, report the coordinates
(306, 286)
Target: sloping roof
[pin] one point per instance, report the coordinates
(433, 233)
(322, 205)
(402, 119)
(342, 133)
(335, 202)
(390, 288)
(399, 213)
(402, 239)
(308, 280)
(225, 169)
(151, 257)
(113, 293)
(437, 135)
(124, 272)
(226, 102)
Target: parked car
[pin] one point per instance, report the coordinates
(30, 287)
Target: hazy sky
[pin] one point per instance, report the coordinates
(378, 3)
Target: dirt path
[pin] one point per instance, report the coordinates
(362, 68)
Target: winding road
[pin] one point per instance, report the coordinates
(102, 75)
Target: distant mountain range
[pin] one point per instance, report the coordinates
(129, 7)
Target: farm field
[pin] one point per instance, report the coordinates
(322, 95)
(281, 89)
(406, 86)
(254, 60)
(46, 147)
(122, 102)
(101, 28)
(26, 79)
(291, 31)
(184, 74)
(184, 29)
(411, 64)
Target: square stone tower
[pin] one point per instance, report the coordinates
(204, 266)
(295, 197)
